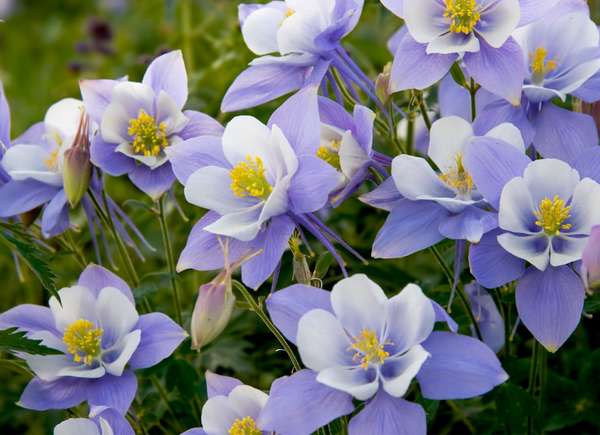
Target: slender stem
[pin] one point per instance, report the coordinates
(74, 248)
(459, 290)
(533, 373)
(423, 109)
(163, 395)
(473, 91)
(265, 319)
(186, 30)
(170, 259)
(410, 133)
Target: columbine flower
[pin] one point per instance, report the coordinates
(231, 409)
(562, 54)
(306, 36)
(427, 206)
(259, 182)
(102, 339)
(102, 421)
(546, 212)
(440, 32)
(139, 121)
(491, 323)
(359, 344)
(590, 269)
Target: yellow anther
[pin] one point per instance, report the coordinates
(330, 153)
(458, 178)
(244, 426)
(83, 341)
(551, 215)
(540, 66)
(289, 12)
(463, 15)
(149, 139)
(368, 349)
(248, 179)
(52, 161)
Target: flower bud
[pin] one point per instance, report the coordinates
(382, 84)
(213, 310)
(591, 261)
(77, 169)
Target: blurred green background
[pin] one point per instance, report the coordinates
(47, 46)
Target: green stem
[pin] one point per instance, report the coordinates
(473, 91)
(75, 251)
(265, 319)
(163, 395)
(459, 290)
(170, 259)
(186, 30)
(533, 374)
(423, 109)
(410, 133)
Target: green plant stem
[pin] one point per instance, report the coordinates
(186, 31)
(170, 259)
(77, 253)
(265, 319)
(423, 109)
(534, 366)
(473, 92)
(459, 290)
(163, 395)
(410, 133)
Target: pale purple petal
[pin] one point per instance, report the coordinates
(4, 119)
(471, 224)
(55, 219)
(18, 197)
(29, 318)
(311, 185)
(491, 323)
(160, 337)
(96, 95)
(188, 156)
(63, 393)
(95, 278)
(500, 111)
(153, 182)
(103, 155)
(113, 391)
(200, 124)
(167, 73)
(332, 113)
(385, 196)
(218, 385)
(588, 164)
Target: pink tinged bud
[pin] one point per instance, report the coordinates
(213, 310)
(591, 260)
(77, 169)
(382, 83)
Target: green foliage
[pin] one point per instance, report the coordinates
(13, 341)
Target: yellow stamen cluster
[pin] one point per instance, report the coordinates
(83, 340)
(289, 12)
(248, 179)
(330, 154)
(463, 15)
(551, 215)
(149, 139)
(540, 66)
(458, 178)
(368, 349)
(244, 426)
(52, 161)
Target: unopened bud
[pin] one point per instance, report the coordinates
(382, 84)
(591, 261)
(77, 169)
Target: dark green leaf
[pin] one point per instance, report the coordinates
(11, 340)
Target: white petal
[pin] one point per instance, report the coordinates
(77, 303)
(83, 371)
(566, 250)
(133, 97)
(550, 177)
(243, 225)
(508, 133)
(517, 208)
(352, 156)
(414, 178)
(124, 349)
(115, 123)
(448, 138)
(77, 426)
(499, 21)
(47, 367)
(321, 341)
(218, 416)
(398, 372)
(260, 30)
(116, 315)
(534, 249)
(168, 112)
(245, 136)
(354, 381)
(585, 207)
(453, 43)
(105, 427)
(282, 159)
(298, 32)
(424, 19)
(277, 202)
(359, 304)
(24, 162)
(247, 401)
(324, 7)
(63, 117)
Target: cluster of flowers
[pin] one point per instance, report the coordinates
(516, 180)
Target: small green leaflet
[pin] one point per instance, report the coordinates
(11, 340)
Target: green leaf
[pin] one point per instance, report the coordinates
(18, 239)
(323, 264)
(592, 303)
(514, 405)
(11, 340)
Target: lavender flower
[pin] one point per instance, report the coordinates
(139, 121)
(590, 269)
(101, 421)
(491, 323)
(360, 344)
(102, 339)
(306, 36)
(546, 212)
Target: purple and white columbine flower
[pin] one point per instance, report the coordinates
(359, 344)
(306, 36)
(259, 182)
(139, 121)
(102, 339)
(562, 54)
(426, 206)
(546, 211)
(102, 421)
(231, 408)
(441, 32)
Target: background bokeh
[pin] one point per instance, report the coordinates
(47, 46)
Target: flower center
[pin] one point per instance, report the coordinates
(368, 349)
(330, 154)
(463, 15)
(540, 66)
(52, 161)
(83, 340)
(458, 178)
(149, 139)
(244, 426)
(551, 215)
(289, 12)
(248, 179)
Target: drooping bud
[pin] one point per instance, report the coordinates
(77, 169)
(591, 261)
(382, 83)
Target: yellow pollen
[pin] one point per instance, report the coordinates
(248, 179)
(540, 66)
(368, 349)
(52, 161)
(244, 426)
(551, 215)
(330, 154)
(289, 12)
(458, 178)
(83, 341)
(463, 15)
(149, 139)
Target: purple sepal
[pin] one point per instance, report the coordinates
(218, 385)
(160, 337)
